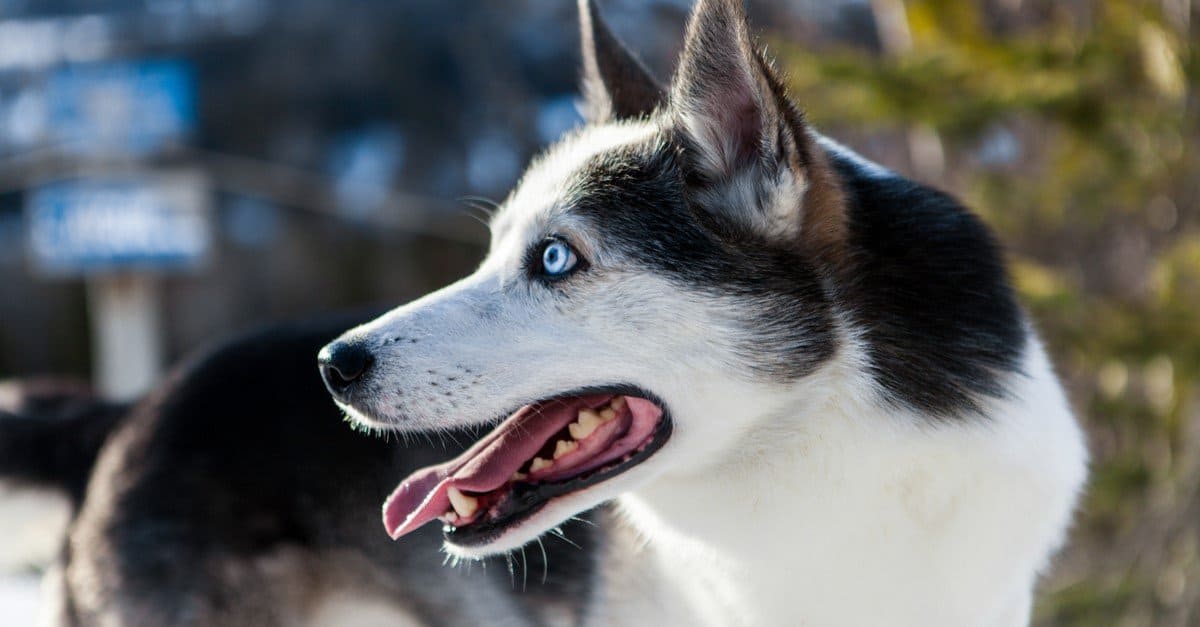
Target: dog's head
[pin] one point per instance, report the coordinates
(657, 284)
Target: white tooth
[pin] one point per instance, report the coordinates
(608, 414)
(563, 447)
(519, 476)
(463, 504)
(579, 431)
(589, 419)
(618, 403)
(539, 463)
(450, 517)
(586, 415)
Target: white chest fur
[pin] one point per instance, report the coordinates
(853, 517)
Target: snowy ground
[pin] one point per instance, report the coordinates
(32, 524)
(18, 600)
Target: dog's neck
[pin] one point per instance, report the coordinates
(721, 538)
(845, 513)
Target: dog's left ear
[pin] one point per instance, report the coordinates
(615, 83)
(750, 155)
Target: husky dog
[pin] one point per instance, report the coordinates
(235, 495)
(804, 378)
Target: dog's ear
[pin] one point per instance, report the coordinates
(749, 154)
(615, 83)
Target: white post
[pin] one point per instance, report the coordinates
(126, 333)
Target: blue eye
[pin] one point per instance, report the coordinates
(558, 258)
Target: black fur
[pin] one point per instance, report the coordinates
(240, 461)
(50, 437)
(925, 281)
(615, 82)
(931, 292)
(636, 197)
(918, 274)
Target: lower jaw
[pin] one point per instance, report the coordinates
(483, 534)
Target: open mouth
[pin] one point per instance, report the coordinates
(542, 451)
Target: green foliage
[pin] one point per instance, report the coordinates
(1100, 211)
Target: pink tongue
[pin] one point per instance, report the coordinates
(487, 465)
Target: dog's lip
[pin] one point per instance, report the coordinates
(489, 464)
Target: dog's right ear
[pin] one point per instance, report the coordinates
(615, 83)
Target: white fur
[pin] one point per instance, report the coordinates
(542, 185)
(811, 503)
(864, 165)
(845, 514)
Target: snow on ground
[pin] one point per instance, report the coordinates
(18, 600)
(32, 524)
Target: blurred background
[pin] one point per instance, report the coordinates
(172, 171)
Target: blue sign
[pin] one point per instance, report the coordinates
(85, 226)
(132, 107)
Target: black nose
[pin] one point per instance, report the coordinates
(343, 363)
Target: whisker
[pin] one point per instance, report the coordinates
(483, 202)
(545, 561)
(485, 223)
(558, 533)
(524, 571)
